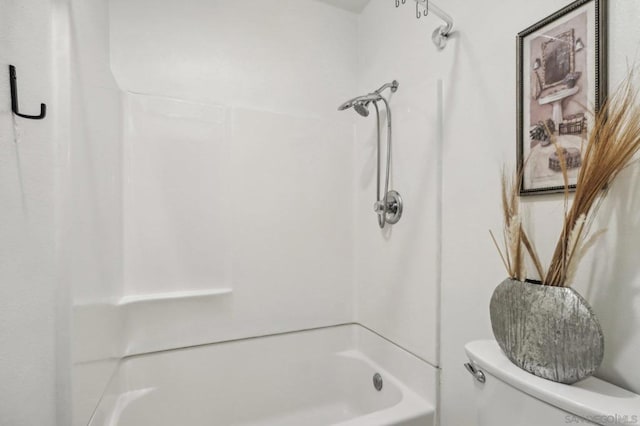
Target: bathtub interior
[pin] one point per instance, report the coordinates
(316, 377)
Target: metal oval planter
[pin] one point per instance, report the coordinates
(551, 332)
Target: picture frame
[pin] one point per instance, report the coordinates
(561, 83)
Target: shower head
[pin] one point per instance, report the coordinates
(360, 103)
(361, 108)
(346, 105)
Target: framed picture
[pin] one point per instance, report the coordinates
(561, 66)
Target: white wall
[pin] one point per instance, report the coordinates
(397, 269)
(479, 139)
(235, 167)
(615, 289)
(29, 373)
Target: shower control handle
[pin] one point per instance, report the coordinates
(379, 207)
(393, 208)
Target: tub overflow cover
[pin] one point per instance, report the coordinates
(377, 381)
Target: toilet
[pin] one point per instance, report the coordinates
(505, 395)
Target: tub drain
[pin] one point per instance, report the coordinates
(377, 381)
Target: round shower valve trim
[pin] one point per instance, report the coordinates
(393, 208)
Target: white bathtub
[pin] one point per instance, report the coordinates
(317, 377)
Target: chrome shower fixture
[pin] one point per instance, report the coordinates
(442, 33)
(361, 103)
(388, 205)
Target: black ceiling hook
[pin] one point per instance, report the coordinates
(14, 98)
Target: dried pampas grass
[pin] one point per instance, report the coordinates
(613, 143)
(516, 241)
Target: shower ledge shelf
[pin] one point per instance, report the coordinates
(174, 295)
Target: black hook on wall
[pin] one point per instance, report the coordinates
(14, 98)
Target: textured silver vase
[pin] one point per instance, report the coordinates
(551, 332)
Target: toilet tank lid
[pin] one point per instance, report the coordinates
(590, 398)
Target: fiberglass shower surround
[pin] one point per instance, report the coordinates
(168, 129)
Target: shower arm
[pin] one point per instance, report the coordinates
(446, 29)
(442, 33)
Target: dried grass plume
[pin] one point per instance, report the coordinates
(613, 143)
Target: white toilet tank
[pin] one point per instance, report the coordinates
(510, 396)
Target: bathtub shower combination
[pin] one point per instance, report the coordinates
(218, 203)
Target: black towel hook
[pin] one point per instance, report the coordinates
(13, 80)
